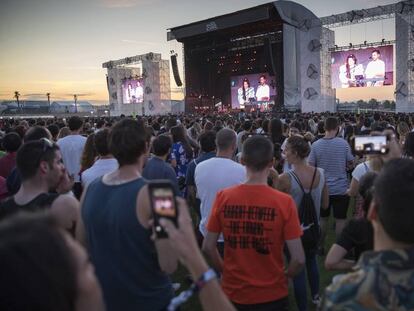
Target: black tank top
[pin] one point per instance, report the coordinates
(42, 202)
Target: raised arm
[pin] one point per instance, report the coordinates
(166, 257)
(185, 245)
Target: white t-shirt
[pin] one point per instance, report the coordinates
(361, 169)
(375, 69)
(210, 177)
(71, 148)
(263, 92)
(98, 169)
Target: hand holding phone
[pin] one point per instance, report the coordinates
(163, 205)
(365, 145)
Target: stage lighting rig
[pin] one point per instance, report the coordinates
(411, 64)
(355, 15)
(401, 90)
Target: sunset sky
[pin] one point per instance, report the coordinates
(58, 46)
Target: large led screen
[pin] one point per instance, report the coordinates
(367, 67)
(252, 90)
(132, 91)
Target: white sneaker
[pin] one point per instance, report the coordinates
(316, 300)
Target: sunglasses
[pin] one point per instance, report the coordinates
(46, 145)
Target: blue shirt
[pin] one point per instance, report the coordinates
(121, 249)
(333, 155)
(178, 153)
(157, 168)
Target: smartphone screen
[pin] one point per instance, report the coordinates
(163, 204)
(370, 144)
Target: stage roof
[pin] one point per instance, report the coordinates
(289, 12)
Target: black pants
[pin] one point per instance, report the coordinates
(339, 205)
(277, 305)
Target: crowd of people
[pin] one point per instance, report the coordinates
(254, 194)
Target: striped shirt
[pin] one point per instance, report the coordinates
(332, 154)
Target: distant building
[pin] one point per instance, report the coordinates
(26, 107)
(42, 107)
(69, 107)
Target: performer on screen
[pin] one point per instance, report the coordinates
(129, 93)
(375, 71)
(350, 72)
(245, 94)
(132, 94)
(139, 92)
(263, 90)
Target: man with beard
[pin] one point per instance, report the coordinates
(41, 168)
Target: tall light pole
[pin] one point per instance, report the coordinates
(17, 95)
(48, 100)
(75, 97)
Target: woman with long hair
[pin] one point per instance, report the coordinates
(181, 153)
(304, 178)
(245, 93)
(276, 131)
(194, 131)
(349, 71)
(89, 154)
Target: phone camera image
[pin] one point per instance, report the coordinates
(164, 202)
(370, 145)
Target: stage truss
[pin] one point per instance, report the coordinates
(403, 13)
(153, 70)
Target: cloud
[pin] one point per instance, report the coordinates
(138, 42)
(122, 3)
(82, 68)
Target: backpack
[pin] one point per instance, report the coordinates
(308, 217)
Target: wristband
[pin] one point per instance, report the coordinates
(207, 276)
(194, 288)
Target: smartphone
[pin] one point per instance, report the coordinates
(163, 204)
(365, 145)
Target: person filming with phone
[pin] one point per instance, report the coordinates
(131, 267)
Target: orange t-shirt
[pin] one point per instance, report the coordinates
(255, 220)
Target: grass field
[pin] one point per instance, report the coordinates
(325, 279)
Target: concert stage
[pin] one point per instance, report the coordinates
(265, 57)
